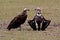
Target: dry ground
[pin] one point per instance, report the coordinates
(50, 10)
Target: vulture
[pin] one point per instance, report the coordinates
(36, 21)
(18, 20)
(39, 22)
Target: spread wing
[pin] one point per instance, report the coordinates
(45, 24)
(32, 24)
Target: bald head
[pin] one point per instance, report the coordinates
(38, 11)
(26, 9)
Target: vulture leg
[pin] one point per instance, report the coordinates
(19, 28)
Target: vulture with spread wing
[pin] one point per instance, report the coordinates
(39, 22)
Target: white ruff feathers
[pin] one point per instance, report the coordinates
(39, 14)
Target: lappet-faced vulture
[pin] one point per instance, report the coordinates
(18, 20)
(39, 22)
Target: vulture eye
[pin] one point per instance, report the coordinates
(38, 13)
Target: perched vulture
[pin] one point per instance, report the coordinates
(18, 20)
(38, 22)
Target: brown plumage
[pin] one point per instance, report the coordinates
(18, 20)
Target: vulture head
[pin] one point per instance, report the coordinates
(26, 9)
(38, 11)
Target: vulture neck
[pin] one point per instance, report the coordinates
(24, 12)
